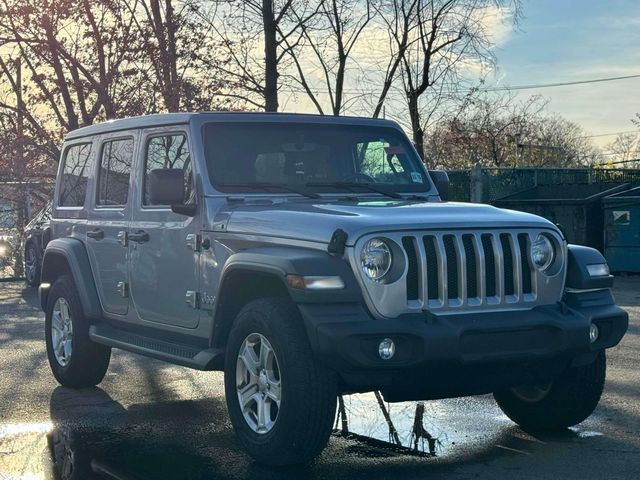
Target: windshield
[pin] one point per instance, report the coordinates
(252, 157)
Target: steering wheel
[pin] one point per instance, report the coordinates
(358, 178)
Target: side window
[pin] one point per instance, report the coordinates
(115, 168)
(169, 151)
(76, 169)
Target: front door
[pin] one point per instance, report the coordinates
(163, 269)
(108, 221)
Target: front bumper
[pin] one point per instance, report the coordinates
(462, 354)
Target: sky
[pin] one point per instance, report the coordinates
(571, 40)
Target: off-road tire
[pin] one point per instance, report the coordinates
(571, 399)
(308, 404)
(89, 361)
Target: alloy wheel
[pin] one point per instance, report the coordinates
(61, 332)
(258, 383)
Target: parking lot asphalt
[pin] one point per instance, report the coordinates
(150, 420)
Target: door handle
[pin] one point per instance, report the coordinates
(96, 234)
(139, 237)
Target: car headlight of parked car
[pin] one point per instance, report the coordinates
(376, 259)
(543, 252)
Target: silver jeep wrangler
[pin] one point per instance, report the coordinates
(307, 257)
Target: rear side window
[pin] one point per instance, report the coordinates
(169, 151)
(115, 168)
(76, 169)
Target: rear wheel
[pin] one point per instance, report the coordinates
(32, 265)
(281, 401)
(75, 360)
(565, 402)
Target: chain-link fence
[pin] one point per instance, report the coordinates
(486, 185)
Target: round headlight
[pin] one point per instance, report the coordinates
(542, 252)
(375, 259)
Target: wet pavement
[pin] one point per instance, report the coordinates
(150, 420)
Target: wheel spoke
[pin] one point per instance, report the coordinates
(264, 354)
(273, 392)
(264, 414)
(249, 359)
(66, 346)
(247, 394)
(64, 310)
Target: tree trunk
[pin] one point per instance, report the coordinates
(416, 124)
(270, 57)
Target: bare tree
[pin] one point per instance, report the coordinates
(625, 148)
(245, 25)
(399, 19)
(448, 35)
(177, 55)
(330, 39)
(77, 57)
(500, 131)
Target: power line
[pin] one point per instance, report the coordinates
(556, 84)
(610, 134)
(504, 88)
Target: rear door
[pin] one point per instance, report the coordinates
(164, 263)
(108, 222)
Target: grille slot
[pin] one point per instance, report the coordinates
(489, 264)
(433, 282)
(413, 281)
(524, 244)
(471, 259)
(475, 269)
(452, 266)
(505, 241)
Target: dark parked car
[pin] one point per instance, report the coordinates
(37, 234)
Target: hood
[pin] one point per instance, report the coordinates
(316, 221)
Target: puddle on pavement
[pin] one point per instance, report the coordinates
(90, 435)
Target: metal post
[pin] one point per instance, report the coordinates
(476, 183)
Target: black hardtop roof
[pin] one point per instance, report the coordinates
(163, 119)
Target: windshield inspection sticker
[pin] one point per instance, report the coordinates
(394, 150)
(416, 177)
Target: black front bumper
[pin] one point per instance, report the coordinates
(462, 354)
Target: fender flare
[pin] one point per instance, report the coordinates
(282, 261)
(276, 263)
(74, 252)
(578, 258)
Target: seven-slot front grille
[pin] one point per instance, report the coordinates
(468, 269)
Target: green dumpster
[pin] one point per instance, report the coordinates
(576, 208)
(622, 231)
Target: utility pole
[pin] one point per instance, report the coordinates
(19, 170)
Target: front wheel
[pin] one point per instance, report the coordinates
(280, 400)
(565, 402)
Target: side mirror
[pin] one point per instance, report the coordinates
(166, 187)
(441, 180)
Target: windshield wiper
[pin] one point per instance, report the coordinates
(351, 185)
(267, 186)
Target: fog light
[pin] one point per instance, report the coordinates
(386, 349)
(594, 333)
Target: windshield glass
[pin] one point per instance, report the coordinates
(318, 158)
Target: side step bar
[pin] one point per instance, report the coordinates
(176, 353)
